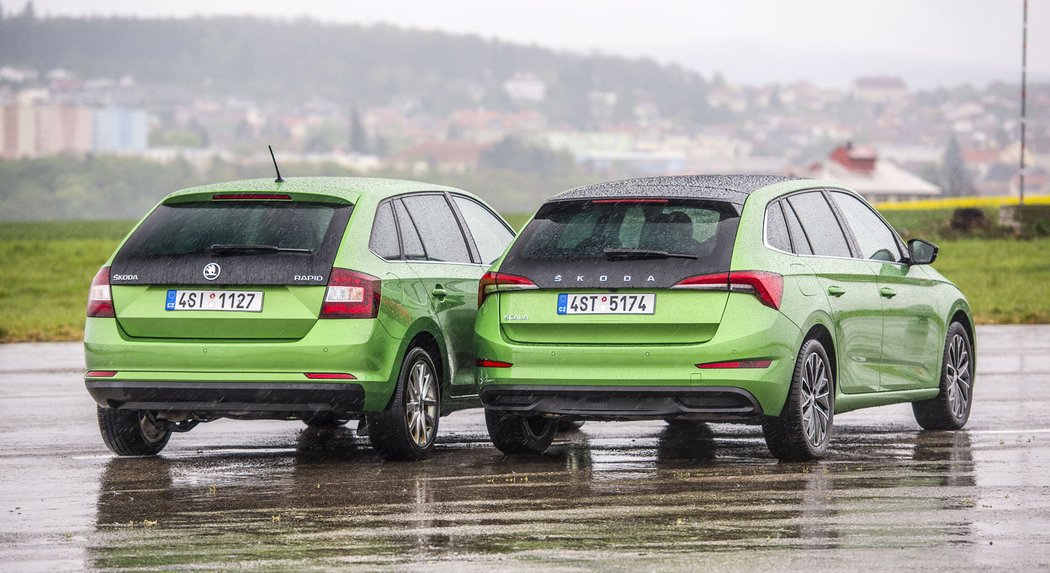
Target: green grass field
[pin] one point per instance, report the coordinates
(47, 267)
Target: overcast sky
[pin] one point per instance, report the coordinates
(926, 42)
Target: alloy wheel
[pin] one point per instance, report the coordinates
(421, 404)
(957, 368)
(815, 393)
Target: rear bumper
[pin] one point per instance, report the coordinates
(624, 402)
(228, 397)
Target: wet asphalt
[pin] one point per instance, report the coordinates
(274, 496)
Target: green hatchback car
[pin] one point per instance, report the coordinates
(314, 299)
(754, 299)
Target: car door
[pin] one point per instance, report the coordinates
(449, 270)
(910, 352)
(850, 285)
(403, 294)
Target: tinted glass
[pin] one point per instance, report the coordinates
(776, 228)
(821, 227)
(410, 240)
(490, 234)
(626, 242)
(442, 239)
(384, 234)
(799, 242)
(875, 239)
(255, 242)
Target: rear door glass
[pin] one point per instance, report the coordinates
(819, 222)
(587, 243)
(254, 242)
(490, 235)
(410, 240)
(438, 228)
(799, 242)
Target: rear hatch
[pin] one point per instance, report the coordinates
(228, 266)
(629, 254)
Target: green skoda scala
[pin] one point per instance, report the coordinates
(752, 299)
(314, 299)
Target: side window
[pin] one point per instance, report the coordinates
(490, 234)
(819, 222)
(438, 228)
(409, 236)
(776, 228)
(384, 240)
(798, 236)
(875, 239)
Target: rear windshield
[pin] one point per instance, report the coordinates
(254, 242)
(597, 243)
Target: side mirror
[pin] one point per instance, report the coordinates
(921, 252)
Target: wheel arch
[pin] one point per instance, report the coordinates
(818, 327)
(424, 333)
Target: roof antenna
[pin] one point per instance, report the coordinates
(275, 168)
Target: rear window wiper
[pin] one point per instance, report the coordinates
(247, 248)
(635, 254)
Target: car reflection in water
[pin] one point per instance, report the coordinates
(671, 490)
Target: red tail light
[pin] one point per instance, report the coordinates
(486, 363)
(498, 282)
(767, 287)
(736, 364)
(100, 299)
(600, 201)
(329, 376)
(351, 294)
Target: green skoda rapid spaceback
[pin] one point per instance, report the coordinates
(315, 299)
(719, 298)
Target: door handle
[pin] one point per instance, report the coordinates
(836, 291)
(887, 292)
(439, 292)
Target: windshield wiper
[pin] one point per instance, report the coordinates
(244, 248)
(637, 254)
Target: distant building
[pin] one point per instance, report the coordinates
(525, 87)
(879, 89)
(117, 129)
(28, 130)
(453, 156)
(859, 168)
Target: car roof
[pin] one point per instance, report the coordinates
(731, 188)
(348, 188)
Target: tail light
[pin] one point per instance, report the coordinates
(767, 287)
(100, 299)
(499, 282)
(351, 294)
(329, 376)
(486, 363)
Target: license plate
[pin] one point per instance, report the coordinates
(234, 300)
(606, 303)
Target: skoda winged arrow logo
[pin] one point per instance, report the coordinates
(211, 271)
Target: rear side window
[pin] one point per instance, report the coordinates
(255, 242)
(490, 234)
(820, 225)
(776, 228)
(799, 242)
(384, 240)
(438, 228)
(624, 243)
(410, 240)
(875, 239)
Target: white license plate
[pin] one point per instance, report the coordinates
(235, 300)
(606, 303)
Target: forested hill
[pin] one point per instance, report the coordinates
(293, 59)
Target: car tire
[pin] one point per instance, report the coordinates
(131, 432)
(951, 408)
(407, 429)
(513, 434)
(803, 429)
